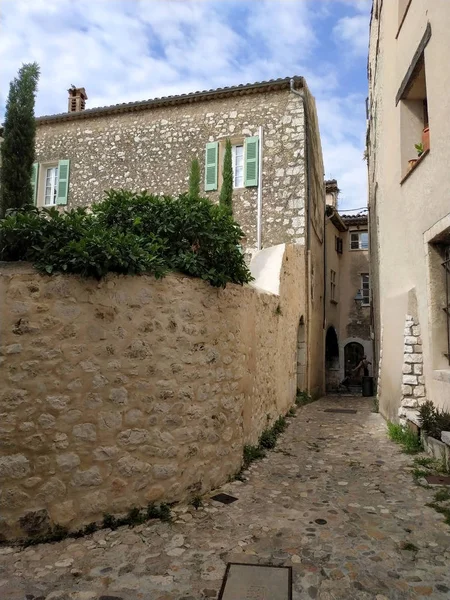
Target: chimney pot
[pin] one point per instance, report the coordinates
(77, 99)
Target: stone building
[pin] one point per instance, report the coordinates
(347, 293)
(409, 204)
(277, 166)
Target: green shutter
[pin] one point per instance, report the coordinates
(211, 166)
(63, 181)
(34, 180)
(251, 162)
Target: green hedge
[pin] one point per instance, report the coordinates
(129, 233)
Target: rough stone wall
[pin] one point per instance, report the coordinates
(130, 390)
(153, 150)
(413, 382)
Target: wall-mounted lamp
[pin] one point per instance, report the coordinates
(359, 299)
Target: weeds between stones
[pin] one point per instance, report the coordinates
(303, 398)
(409, 547)
(410, 442)
(135, 516)
(196, 502)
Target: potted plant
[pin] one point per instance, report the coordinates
(420, 151)
(426, 139)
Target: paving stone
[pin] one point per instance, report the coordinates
(356, 553)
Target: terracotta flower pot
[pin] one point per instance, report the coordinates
(426, 139)
(411, 163)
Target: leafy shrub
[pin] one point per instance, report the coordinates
(129, 233)
(434, 421)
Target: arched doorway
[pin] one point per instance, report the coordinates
(301, 356)
(331, 360)
(353, 353)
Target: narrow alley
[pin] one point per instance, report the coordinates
(336, 501)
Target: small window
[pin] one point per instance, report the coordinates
(359, 240)
(238, 165)
(51, 186)
(339, 246)
(333, 286)
(365, 289)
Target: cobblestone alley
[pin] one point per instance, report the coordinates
(336, 500)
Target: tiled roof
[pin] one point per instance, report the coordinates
(359, 219)
(225, 92)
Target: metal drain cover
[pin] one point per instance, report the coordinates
(438, 479)
(348, 411)
(256, 582)
(224, 498)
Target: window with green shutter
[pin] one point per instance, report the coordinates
(63, 181)
(211, 166)
(251, 161)
(34, 181)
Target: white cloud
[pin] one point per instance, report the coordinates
(353, 34)
(125, 50)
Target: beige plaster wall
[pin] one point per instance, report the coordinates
(354, 320)
(130, 390)
(405, 211)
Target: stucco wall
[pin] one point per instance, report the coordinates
(153, 149)
(404, 211)
(131, 390)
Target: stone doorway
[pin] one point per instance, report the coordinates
(353, 353)
(331, 360)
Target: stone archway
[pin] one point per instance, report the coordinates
(301, 355)
(331, 360)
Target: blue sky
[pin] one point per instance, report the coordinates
(124, 50)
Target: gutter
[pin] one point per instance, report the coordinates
(259, 199)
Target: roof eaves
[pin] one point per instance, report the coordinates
(243, 89)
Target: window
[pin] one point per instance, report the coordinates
(244, 158)
(238, 165)
(50, 183)
(359, 240)
(333, 286)
(51, 186)
(365, 289)
(338, 244)
(413, 105)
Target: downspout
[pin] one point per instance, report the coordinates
(259, 200)
(308, 221)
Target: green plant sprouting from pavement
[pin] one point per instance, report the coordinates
(407, 439)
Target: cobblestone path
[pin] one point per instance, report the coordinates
(336, 500)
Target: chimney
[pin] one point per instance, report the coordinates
(332, 192)
(77, 99)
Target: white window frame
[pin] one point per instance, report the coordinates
(53, 186)
(365, 287)
(332, 285)
(238, 181)
(360, 244)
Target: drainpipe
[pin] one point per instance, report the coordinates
(259, 200)
(307, 213)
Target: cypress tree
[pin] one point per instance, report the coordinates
(194, 180)
(226, 191)
(17, 149)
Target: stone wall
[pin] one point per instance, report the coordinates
(153, 149)
(413, 382)
(130, 390)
